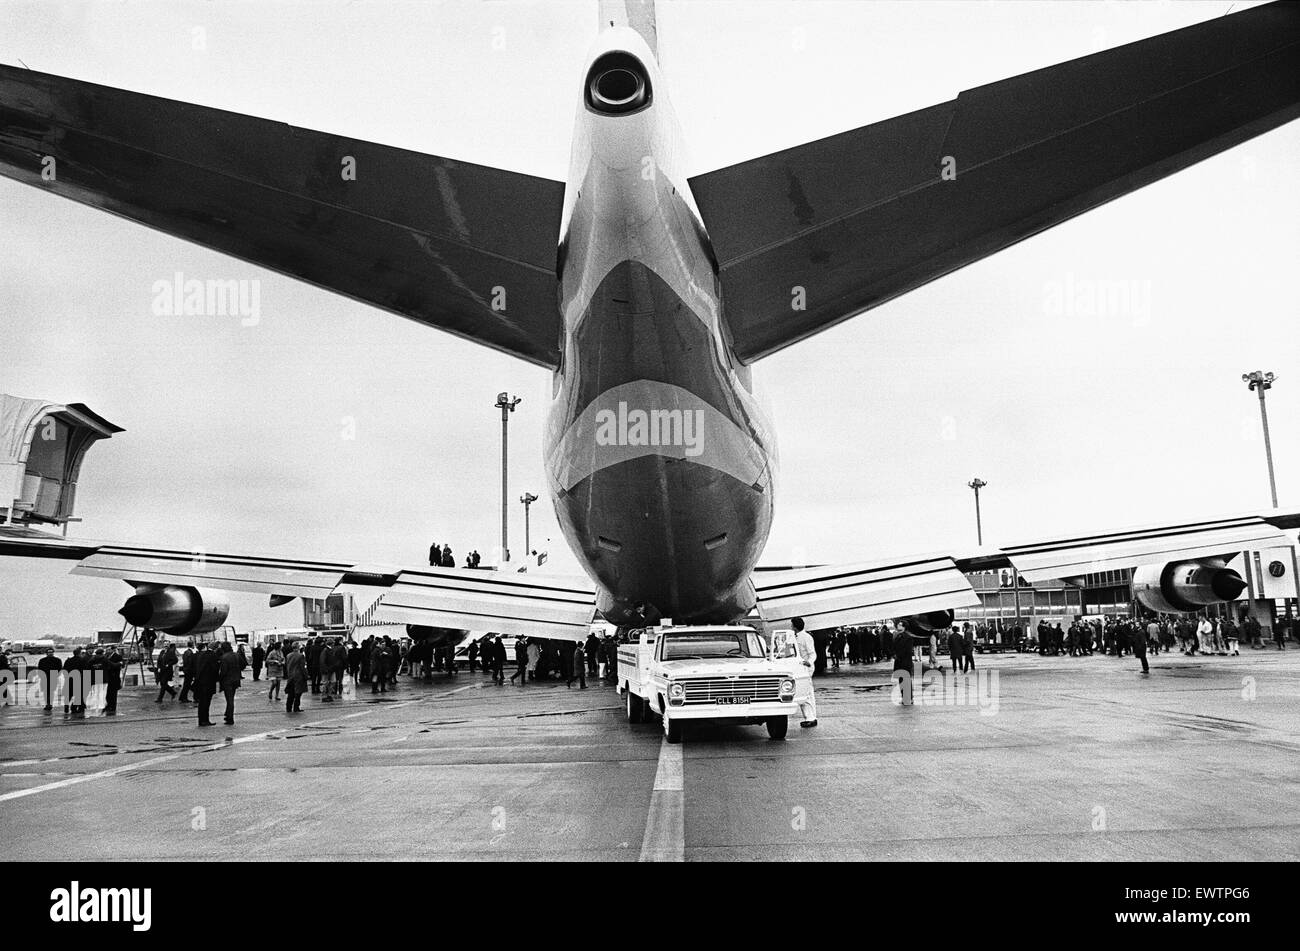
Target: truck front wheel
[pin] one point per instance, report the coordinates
(777, 726)
(672, 729)
(635, 708)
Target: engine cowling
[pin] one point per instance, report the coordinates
(175, 609)
(617, 84)
(928, 623)
(1183, 587)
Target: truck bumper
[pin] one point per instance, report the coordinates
(739, 712)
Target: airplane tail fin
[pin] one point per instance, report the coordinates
(637, 14)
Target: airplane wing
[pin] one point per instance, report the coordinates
(864, 216)
(511, 603)
(465, 248)
(833, 596)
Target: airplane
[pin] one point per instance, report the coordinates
(649, 295)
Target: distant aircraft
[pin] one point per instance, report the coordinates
(649, 295)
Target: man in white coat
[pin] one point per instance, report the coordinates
(1204, 631)
(803, 685)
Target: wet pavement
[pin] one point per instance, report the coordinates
(1033, 758)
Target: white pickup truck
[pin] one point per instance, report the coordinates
(721, 673)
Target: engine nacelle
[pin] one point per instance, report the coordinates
(176, 610)
(617, 84)
(1183, 587)
(928, 623)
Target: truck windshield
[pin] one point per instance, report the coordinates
(711, 644)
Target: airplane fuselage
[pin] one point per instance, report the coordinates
(660, 461)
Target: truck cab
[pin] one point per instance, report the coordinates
(721, 673)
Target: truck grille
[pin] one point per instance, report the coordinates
(711, 689)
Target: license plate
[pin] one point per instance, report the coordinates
(733, 700)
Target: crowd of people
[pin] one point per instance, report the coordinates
(322, 665)
(1111, 635)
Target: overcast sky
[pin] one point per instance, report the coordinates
(234, 434)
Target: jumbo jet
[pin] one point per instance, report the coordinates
(650, 295)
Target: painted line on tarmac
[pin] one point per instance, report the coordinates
(208, 748)
(665, 827)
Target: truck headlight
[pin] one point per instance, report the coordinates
(787, 689)
(676, 694)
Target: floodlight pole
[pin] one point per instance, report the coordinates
(977, 484)
(1261, 383)
(507, 406)
(528, 499)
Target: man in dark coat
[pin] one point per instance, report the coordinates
(295, 679)
(74, 683)
(902, 650)
(166, 665)
(378, 668)
(313, 662)
(259, 658)
(1138, 639)
(521, 661)
(498, 649)
(187, 672)
(113, 664)
(354, 659)
(592, 652)
(956, 649)
(49, 666)
(229, 676)
(205, 682)
(578, 666)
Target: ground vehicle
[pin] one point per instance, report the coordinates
(722, 673)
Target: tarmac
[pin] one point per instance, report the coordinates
(1035, 758)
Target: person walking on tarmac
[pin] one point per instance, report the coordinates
(578, 666)
(187, 672)
(1138, 641)
(967, 650)
(230, 673)
(205, 682)
(166, 664)
(521, 661)
(274, 672)
(803, 685)
(295, 679)
(902, 648)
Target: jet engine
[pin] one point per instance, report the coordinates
(1182, 587)
(175, 609)
(926, 624)
(617, 84)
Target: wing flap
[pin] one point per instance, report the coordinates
(832, 596)
(227, 572)
(861, 217)
(510, 604)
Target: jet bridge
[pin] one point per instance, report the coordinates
(42, 445)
